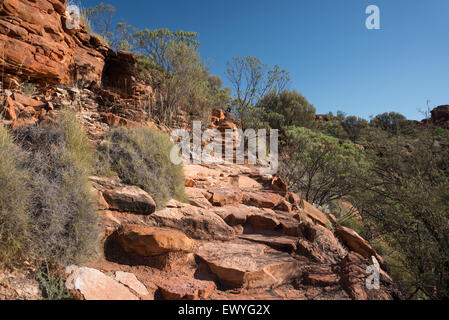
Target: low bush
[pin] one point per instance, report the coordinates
(141, 157)
(14, 221)
(61, 208)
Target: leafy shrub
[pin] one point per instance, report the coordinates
(320, 167)
(141, 157)
(14, 221)
(404, 200)
(53, 285)
(288, 108)
(61, 209)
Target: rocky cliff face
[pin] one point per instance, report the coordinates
(36, 46)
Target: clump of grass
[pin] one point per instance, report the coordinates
(141, 157)
(61, 208)
(14, 221)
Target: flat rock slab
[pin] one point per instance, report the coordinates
(95, 285)
(248, 265)
(283, 243)
(151, 241)
(130, 199)
(262, 199)
(130, 280)
(315, 214)
(183, 288)
(197, 223)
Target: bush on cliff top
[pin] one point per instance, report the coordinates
(141, 157)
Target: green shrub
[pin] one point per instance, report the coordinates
(53, 285)
(14, 222)
(61, 208)
(141, 157)
(320, 167)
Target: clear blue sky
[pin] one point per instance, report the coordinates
(334, 61)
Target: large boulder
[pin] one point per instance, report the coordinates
(130, 199)
(150, 241)
(248, 265)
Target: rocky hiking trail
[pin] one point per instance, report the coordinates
(241, 236)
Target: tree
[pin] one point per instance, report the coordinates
(404, 202)
(251, 80)
(354, 126)
(155, 44)
(389, 121)
(287, 108)
(320, 167)
(100, 18)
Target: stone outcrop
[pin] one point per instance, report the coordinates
(150, 241)
(37, 45)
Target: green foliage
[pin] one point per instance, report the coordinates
(141, 157)
(158, 44)
(288, 108)
(251, 80)
(333, 128)
(99, 19)
(62, 212)
(14, 221)
(321, 167)
(353, 127)
(404, 201)
(389, 121)
(29, 88)
(53, 285)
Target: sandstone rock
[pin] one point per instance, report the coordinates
(130, 199)
(321, 280)
(27, 101)
(356, 243)
(195, 222)
(315, 214)
(8, 109)
(219, 114)
(34, 38)
(248, 265)
(117, 121)
(183, 288)
(320, 245)
(295, 200)
(284, 205)
(287, 244)
(190, 183)
(150, 241)
(234, 215)
(261, 199)
(245, 182)
(278, 184)
(130, 280)
(95, 285)
(353, 279)
(440, 114)
(198, 197)
(223, 197)
(263, 221)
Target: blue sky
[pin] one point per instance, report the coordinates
(334, 61)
